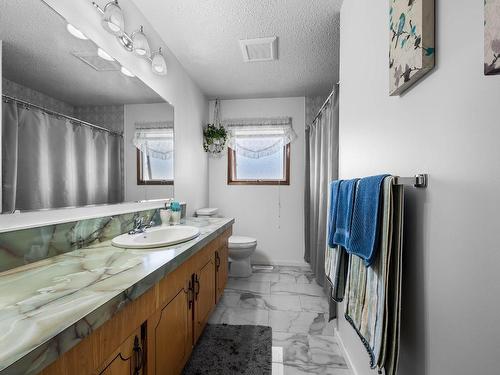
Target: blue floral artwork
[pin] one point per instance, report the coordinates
(491, 37)
(411, 52)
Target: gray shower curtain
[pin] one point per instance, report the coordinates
(322, 146)
(50, 162)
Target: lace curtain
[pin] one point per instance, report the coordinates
(259, 137)
(155, 140)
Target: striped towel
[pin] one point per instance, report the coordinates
(373, 295)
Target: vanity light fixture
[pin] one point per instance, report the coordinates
(104, 55)
(75, 32)
(126, 72)
(140, 43)
(158, 63)
(113, 22)
(126, 42)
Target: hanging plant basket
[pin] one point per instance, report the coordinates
(214, 139)
(215, 135)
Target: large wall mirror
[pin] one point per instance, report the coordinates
(77, 128)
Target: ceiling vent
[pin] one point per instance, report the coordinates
(260, 49)
(96, 62)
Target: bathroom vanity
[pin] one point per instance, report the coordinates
(106, 310)
(88, 148)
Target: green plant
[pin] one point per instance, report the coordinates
(215, 138)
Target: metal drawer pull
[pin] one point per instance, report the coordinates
(217, 260)
(196, 287)
(190, 294)
(138, 356)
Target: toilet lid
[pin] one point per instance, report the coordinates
(241, 241)
(206, 211)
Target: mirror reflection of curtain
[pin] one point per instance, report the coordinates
(50, 162)
(157, 143)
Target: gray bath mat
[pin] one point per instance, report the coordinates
(225, 349)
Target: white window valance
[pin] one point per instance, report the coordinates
(155, 139)
(259, 137)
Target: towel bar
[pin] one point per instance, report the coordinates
(418, 181)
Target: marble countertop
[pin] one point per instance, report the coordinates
(48, 307)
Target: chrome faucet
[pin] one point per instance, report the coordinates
(139, 226)
(167, 202)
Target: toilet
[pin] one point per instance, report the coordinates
(240, 249)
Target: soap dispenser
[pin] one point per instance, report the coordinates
(175, 207)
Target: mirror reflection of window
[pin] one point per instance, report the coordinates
(155, 153)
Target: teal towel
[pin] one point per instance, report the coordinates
(344, 212)
(332, 211)
(366, 219)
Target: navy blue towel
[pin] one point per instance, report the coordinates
(365, 218)
(344, 212)
(332, 212)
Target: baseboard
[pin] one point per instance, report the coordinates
(344, 350)
(279, 263)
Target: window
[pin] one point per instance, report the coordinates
(259, 151)
(267, 170)
(155, 156)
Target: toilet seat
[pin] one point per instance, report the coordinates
(241, 242)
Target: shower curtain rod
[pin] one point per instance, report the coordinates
(325, 103)
(73, 119)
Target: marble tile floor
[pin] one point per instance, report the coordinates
(288, 300)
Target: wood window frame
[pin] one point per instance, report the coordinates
(140, 175)
(231, 170)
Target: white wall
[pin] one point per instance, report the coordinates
(191, 164)
(279, 232)
(448, 126)
(1, 116)
(143, 113)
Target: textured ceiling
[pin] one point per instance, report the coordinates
(204, 35)
(37, 52)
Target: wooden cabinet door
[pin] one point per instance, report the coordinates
(221, 266)
(204, 289)
(170, 336)
(128, 359)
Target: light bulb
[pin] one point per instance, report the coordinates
(112, 18)
(113, 26)
(140, 43)
(158, 63)
(126, 72)
(104, 55)
(75, 32)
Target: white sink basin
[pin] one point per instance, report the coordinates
(156, 237)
